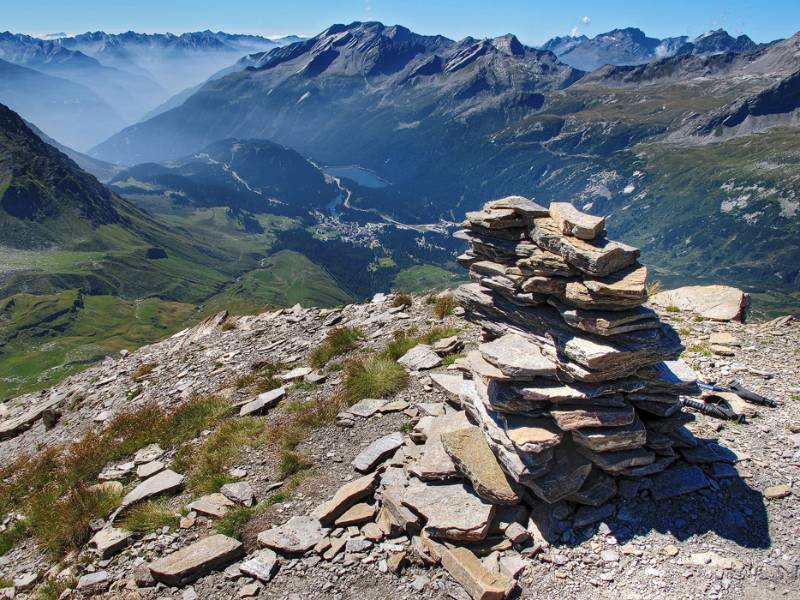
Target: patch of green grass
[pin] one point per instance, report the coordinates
(52, 487)
(150, 516)
(795, 397)
(233, 522)
(406, 340)
(338, 341)
(407, 427)
(699, 349)
(684, 331)
(291, 462)
(672, 309)
(11, 536)
(207, 464)
(450, 359)
(375, 377)
(402, 299)
(143, 371)
(60, 522)
(53, 587)
(263, 377)
(423, 278)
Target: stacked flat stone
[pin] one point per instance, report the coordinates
(576, 381)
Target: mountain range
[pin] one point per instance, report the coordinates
(630, 46)
(331, 168)
(124, 76)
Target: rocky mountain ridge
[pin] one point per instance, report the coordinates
(365, 522)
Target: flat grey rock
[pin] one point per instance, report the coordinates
(377, 451)
(517, 358)
(297, 536)
(263, 402)
(420, 358)
(188, 564)
(161, 483)
(262, 565)
(367, 407)
(110, 540)
(452, 511)
(240, 491)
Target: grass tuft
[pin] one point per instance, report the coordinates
(54, 587)
(11, 536)
(444, 306)
(150, 516)
(402, 300)
(143, 371)
(207, 464)
(338, 341)
(291, 462)
(52, 488)
(375, 377)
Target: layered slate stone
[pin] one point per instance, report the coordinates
(196, 560)
(520, 205)
(377, 452)
(452, 511)
(345, 497)
(517, 358)
(576, 382)
(472, 575)
(262, 402)
(297, 536)
(164, 482)
(435, 463)
(571, 417)
(474, 459)
(573, 222)
(611, 439)
(420, 357)
(598, 257)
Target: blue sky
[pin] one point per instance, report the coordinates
(533, 21)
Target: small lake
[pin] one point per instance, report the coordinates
(358, 174)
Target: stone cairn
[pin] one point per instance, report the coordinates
(576, 382)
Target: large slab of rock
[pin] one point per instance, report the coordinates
(192, 562)
(517, 358)
(611, 439)
(297, 536)
(475, 460)
(495, 218)
(420, 358)
(211, 505)
(470, 573)
(597, 257)
(571, 417)
(453, 511)
(606, 322)
(345, 497)
(715, 302)
(12, 427)
(573, 222)
(110, 540)
(377, 452)
(520, 205)
(565, 476)
(164, 482)
(435, 463)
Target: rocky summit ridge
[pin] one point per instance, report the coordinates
(530, 442)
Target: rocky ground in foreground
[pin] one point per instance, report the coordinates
(736, 538)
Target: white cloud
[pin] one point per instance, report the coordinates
(586, 20)
(574, 31)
